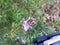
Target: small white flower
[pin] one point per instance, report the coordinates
(23, 40)
(17, 37)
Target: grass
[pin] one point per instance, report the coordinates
(11, 14)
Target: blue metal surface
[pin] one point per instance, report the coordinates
(41, 39)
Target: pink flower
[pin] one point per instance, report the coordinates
(48, 17)
(28, 25)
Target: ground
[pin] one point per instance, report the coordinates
(12, 13)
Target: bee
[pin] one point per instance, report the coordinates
(31, 22)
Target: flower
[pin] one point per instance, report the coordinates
(17, 37)
(23, 40)
(27, 24)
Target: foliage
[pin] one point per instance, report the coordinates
(12, 13)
